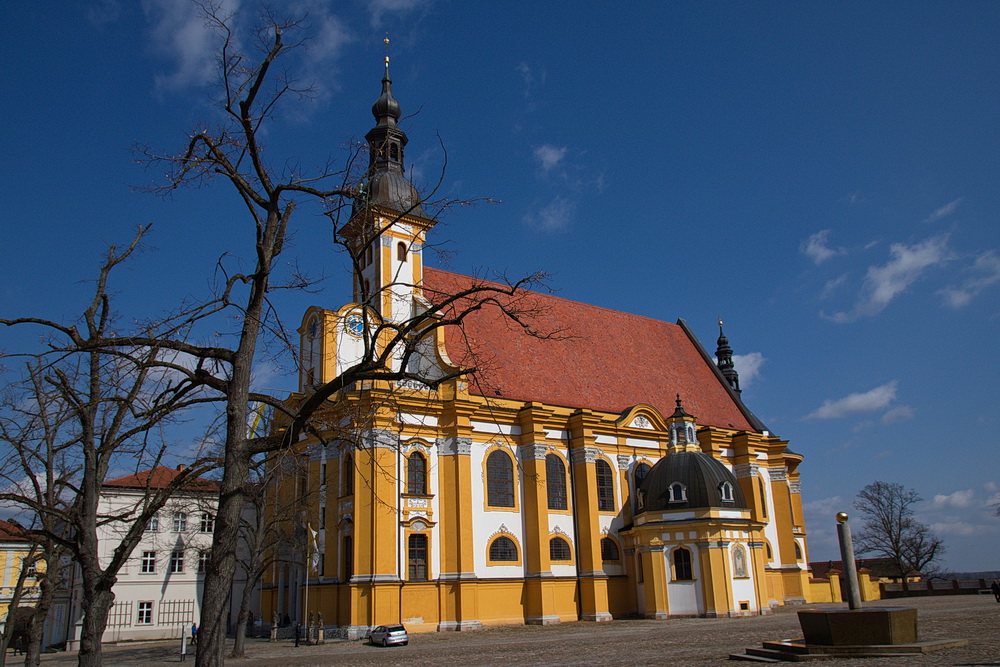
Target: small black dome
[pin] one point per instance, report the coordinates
(387, 188)
(701, 477)
(386, 105)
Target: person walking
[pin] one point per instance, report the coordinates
(996, 590)
(194, 633)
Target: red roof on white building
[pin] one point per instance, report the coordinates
(158, 478)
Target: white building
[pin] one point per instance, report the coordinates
(159, 590)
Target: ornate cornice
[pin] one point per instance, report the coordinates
(584, 454)
(534, 451)
(778, 474)
(454, 446)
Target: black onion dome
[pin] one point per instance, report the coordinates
(386, 107)
(702, 478)
(387, 188)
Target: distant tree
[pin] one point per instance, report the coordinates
(891, 531)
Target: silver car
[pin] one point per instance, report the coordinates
(389, 635)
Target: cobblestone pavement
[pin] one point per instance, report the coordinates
(691, 641)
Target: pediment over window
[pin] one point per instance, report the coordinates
(644, 417)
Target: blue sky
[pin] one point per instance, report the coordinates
(823, 175)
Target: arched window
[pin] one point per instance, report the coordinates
(798, 551)
(609, 550)
(417, 557)
(401, 251)
(682, 565)
(347, 475)
(394, 152)
(503, 549)
(499, 480)
(739, 561)
(726, 491)
(767, 548)
(555, 482)
(678, 493)
(605, 487)
(641, 470)
(416, 474)
(559, 549)
(369, 254)
(690, 434)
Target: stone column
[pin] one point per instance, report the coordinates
(459, 601)
(539, 609)
(590, 567)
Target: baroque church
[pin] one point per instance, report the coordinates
(610, 471)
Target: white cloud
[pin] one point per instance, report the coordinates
(556, 215)
(959, 499)
(898, 413)
(549, 156)
(959, 528)
(817, 247)
(748, 366)
(832, 285)
(944, 211)
(985, 272)
(869, 401)
(181, 35)
(884, 283)
(379, 8)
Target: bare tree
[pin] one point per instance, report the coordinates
(271, 529)
(84, 410)
(891, 531)
(252, 88)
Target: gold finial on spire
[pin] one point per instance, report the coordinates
(386, 40)
(720, 320)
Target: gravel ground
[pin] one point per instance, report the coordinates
(692, 641)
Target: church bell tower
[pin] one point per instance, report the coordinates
(388, 225)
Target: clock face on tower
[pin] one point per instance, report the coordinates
(354, 324)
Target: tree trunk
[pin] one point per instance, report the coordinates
(97, 601)
(239, 646)
(222, 565)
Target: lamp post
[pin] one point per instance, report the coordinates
(847, 556)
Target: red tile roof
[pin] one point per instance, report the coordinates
(607, 360)
(158, 478)
(9, 532)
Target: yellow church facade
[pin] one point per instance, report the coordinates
(608, 471)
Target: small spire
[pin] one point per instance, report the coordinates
(724, 356)
(679, 410)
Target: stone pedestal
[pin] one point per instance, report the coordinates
(856, 627)
(320, 638)
(274, 633)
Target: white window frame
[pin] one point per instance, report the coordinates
(144, 615)
(180, 522)
(207, 523)
(147, 563)
(176, 562)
